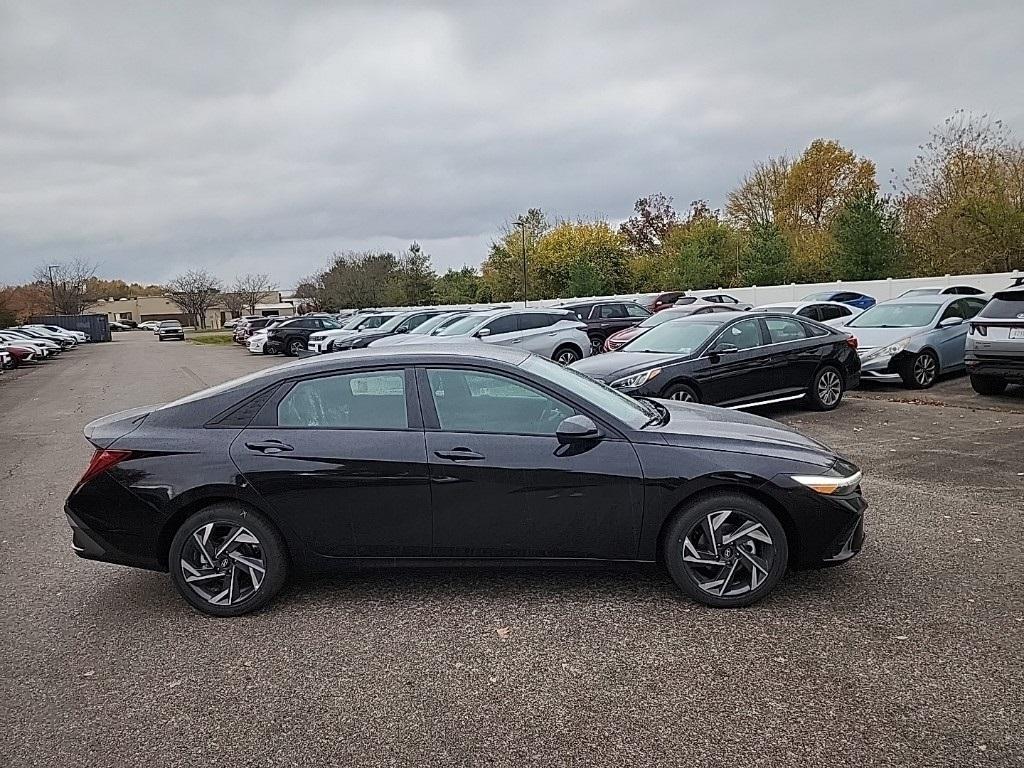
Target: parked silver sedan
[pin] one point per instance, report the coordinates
(914, 339)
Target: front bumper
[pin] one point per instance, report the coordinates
(256, 345)
(881, 368)
(320, 346)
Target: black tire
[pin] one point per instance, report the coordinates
(293, 345)
(684, 393)
(988, 385)
(919, 371)
(596, 345)
(827, 388)
(271, 549)
(695, 520)
(567, 354)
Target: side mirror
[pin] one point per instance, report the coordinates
(577, 428)
(403, 329)
(483, 332)
(949, 322)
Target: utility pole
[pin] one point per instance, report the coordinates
(53, 289)
(521, 222)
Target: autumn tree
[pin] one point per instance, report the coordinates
(653, 218)
(233, 302)
(962, 200)
(579, 258)
(194, 292)
(821, 181)
(757, 202)
(867, 238)
(67, 284)
(252, 289)
(703, 252)
(502, 270)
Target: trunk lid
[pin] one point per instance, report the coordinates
(104, 431)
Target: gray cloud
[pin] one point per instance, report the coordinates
(151, 137)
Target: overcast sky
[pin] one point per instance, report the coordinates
(151, 137)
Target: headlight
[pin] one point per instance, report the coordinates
(893, 349)
(637, 379)
(316, 336)
(827, 484)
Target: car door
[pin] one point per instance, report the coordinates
(794, 356)
(950, 342)
(503, 485)
(735, 365)
(502, 330)
(611, 318)
(537, 332)
(341, 458)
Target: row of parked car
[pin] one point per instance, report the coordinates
(714, 349)
(35, 344)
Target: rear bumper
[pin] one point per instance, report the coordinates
(1009, 368)
(89, 545)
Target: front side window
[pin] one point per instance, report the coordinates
(612, 312)
(953, 310)
(505, 324)
(476, 401)
(971, 307)
(745, 334)
(374, 400)
(635, 310)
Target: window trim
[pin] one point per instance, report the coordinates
(267, 416)
(431, 422)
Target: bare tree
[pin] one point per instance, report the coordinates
(195, 292)
(253, 290)
(234, 302)
(67, 284)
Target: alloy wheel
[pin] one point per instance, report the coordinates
(830, 388)
(295, 347)
(683, 396)
(925, 369)
(566, 357)
(596, 346)
(223, 563)
(728, 553)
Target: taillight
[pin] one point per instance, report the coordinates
(981, 330)
(851, 342)
(101, 461)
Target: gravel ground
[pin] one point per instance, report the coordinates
(910, 655)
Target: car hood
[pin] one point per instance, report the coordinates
(614, 365)
(711, 428)
(870, 338)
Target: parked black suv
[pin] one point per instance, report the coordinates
(603, 318)
(292, 335)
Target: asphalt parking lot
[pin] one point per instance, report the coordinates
(909, 655)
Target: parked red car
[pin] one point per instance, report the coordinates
(17, 354)
(664, 300)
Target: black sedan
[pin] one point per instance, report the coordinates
(403, 322)
(734, 360)
(479, 453)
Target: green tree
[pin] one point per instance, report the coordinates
(768, 258)
(701, 253)
(866, 231)
(457, 286)
(502, 270)
(413, 281)
(579, 258)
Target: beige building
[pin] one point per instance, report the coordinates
(142, 308)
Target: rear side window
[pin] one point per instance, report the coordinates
(635, 310)
(782, 329)
(813, 312)
(611, 311)
(532, 321)
(373, 400)
(1004, 305)
(829, 312)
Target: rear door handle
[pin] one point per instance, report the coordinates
(459, 454)
(269, 446)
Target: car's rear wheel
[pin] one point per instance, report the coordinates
(988, 385)
(294, 346)
(726, 550)
(566, 355)
(227, 560)
(826, 391)
(919, 371)
(684, 393)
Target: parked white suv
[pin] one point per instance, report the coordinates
(323, 341)
(553, 333)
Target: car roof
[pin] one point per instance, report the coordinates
(805, 303)
(405, 354)
(931, 298)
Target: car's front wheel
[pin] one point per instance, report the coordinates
(919, 371)
(227, 560)
(294, 346)
(988, 385)
(681, 392)
(826, 390)
(727, 550)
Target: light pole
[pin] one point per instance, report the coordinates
(521, 222)
(53, 290)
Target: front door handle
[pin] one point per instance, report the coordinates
(459, 454)
(269, 446)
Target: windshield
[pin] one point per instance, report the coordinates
(662, 317)
(462, 326)
(393, 323)
(827, 296)
(682, 338)
(432, 323)
(685, 300)
(635, 413)
(896, 316)
(353, 322)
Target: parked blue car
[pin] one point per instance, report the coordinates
(913, 338)
(854, 299)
